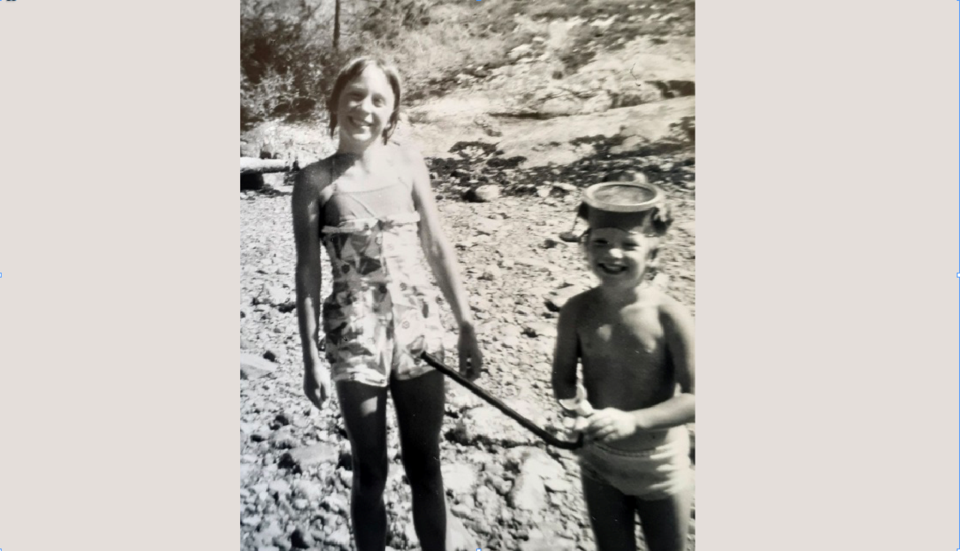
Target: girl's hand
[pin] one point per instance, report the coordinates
(607, 425)
(316, 384)
(471, 360)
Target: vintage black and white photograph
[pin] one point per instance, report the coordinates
(467, 275)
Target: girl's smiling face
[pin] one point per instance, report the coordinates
(619, 257)
(365, 107)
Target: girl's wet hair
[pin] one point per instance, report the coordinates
(352, 70)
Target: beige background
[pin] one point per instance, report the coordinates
(827, 298)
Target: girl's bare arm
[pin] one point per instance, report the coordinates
(443, 263)
(306, 233)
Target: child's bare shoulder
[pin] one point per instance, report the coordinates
(574, 307)
(673, 314)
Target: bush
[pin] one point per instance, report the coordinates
(287, 60)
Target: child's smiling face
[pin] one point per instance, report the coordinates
(365, 106)
(619, 257)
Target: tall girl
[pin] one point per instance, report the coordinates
(371, 205)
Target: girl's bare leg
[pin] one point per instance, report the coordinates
(612, 515)
(419, 404)
(665, 522)
(364, 414)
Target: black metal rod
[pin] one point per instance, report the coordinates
(527, 424)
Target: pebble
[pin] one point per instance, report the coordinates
(308, 456)
(483, 194)
(301, 538)
(335, 503)
(528, 493)
(459, 477)
(283, 438)
(254, 367)
(279, 487)
(340, 538)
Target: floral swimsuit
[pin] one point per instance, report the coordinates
(382, 312)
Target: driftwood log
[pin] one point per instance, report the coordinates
(250, 165)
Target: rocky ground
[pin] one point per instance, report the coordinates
(510, 149)
(510, 490)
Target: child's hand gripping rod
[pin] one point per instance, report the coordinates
(527, 424)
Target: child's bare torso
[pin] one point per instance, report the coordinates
(623, 350)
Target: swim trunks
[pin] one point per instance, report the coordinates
(382, 312)
(660, 471)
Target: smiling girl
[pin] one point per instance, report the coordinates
(371, 206)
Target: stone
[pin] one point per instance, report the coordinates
(260, 435)
(488, 226)
(283, 438)
(279, 487)
(491, 273)
(346, 477)
(487, 425)
(548, 543)
(533, 263)
(487, 500)
(340, 539)
(540, 329)
(273, 180)
(558, 485)
(301, 538)
(460, 399)
(309, 456)
(463, 510)
(519, 52)
(335, 503)
(266, 534)
(534, 460)
(459, 478)
(248, 149)
(500, 484)
(307, 489)
(528, 493)
(458, 537)
(483, 194)
(254, 367)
